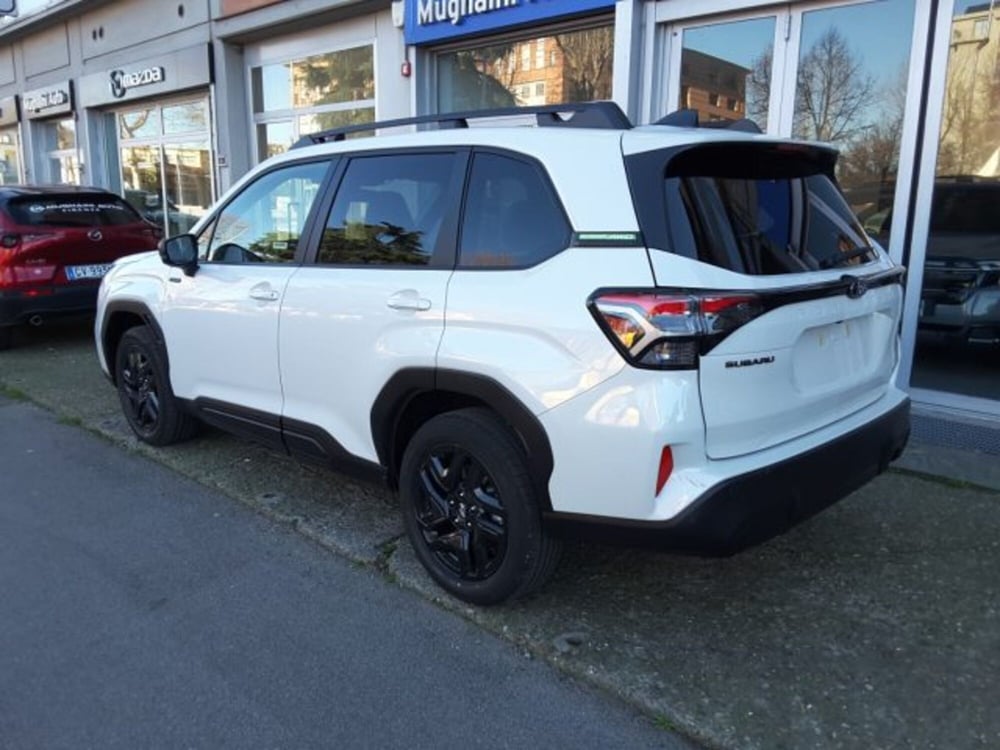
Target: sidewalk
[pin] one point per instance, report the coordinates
(876, 624)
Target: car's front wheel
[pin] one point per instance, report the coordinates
(471, 511)
(152, 410)
(6, 337)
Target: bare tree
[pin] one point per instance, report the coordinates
(587, 57)
(759, 87)
(833, 90)
(873, 155)
(971, 107)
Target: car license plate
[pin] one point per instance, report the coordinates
(95, 271)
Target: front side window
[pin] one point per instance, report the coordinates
(512, 219)
(388, 211)
(264, 223)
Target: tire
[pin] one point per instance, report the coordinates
(471, 511)
(6, 337)
(152, 410)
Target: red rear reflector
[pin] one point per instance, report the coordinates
(37, 293)
(666, 467)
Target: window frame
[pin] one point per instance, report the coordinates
(547, 185)
(308, 229)
(445, 253)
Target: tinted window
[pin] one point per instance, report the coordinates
(966, 210)
(511, 215)
(388, 210)
(769, 226)
(264, 222)
(72, 211)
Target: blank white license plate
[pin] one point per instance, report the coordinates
(95, 271)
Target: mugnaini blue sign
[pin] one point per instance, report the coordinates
(437, 20)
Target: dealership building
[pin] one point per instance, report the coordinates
(168, 102)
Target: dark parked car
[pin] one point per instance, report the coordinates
(960, 299)
(56, 243)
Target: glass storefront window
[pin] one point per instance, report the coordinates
(187, 177)
(327, 120)
(726, 70)
(65, 134)
(571, 67)
(958, 328)
(60, 160)
(274, 138)
(140, 123)
(188, 117)
(166, 162)
(850, 90)
(291, 99)
(10, 157)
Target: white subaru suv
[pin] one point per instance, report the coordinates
(664, 335)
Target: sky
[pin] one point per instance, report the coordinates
(878, 32)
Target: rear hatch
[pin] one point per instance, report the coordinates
(69, 238)
(794, 312)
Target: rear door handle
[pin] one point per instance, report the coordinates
(263, 292)
(408, 299)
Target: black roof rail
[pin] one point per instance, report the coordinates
(688, 118)
(602, 114)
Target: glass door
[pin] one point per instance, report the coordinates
(850, 90)
(724, 70)
(956, 343)
(818, 72)
(166, 162)
(10, 156)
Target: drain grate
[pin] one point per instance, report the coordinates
(954, 433)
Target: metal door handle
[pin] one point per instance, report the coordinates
(409, 299)
(264, 293)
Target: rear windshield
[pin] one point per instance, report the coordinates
(72, 211)
(756, 210)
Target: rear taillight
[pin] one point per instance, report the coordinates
(670, 331)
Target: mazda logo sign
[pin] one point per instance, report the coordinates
(95, 235)
(120, 81)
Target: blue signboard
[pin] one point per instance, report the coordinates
(437, 20)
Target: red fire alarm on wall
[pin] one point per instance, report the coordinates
(404, 69)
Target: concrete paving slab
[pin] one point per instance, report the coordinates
(876, 624)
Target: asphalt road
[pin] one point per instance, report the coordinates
(140, 609)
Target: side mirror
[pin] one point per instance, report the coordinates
(181, 251)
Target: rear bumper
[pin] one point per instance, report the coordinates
(47, 301)
(751, 508)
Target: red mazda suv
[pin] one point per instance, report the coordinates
(55, 245)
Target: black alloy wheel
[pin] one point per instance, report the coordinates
(142, 399)
(461, 515)
(151, 409)
(471, 509)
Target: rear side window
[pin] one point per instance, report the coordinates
(512, 219)
(72, 211)
(754, 210)
(388, 211)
